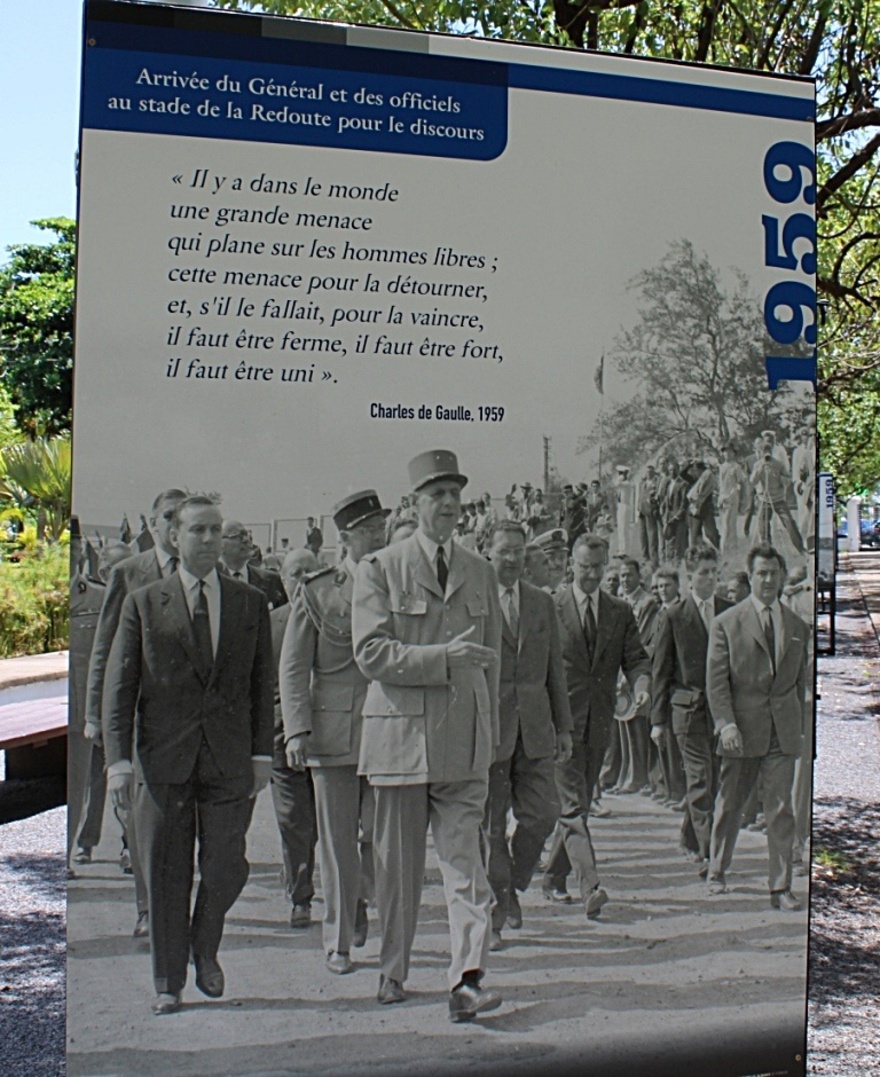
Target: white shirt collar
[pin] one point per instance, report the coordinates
(502, 590)
(431, 547)
(581, 597)
(163, 558)
(760, 606)
(190, 582)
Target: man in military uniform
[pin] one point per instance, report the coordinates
(554, 543)
(427, 634)
(322, 694)
(293, 795)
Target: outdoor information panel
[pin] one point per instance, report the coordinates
(309, 252)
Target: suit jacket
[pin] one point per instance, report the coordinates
(679, 667)
(322, 689)
(742, 688)
(159, 701)
(126, 576)
(267, 582)
(533, 695)
(423, 722)
(278, 619)
(592, 687)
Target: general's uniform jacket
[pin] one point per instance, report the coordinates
(679, 668)
(592, 687)
(423, 722)
(533, 692)
(322, 689)
(741, 686)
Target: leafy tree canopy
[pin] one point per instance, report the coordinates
(36, 328)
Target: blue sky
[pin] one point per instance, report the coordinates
(39, 116)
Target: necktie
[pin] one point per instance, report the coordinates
(706, 611)
(510, 611)
(173, 562)
(442, 569)
(590, 627)
(202, 628)
(236, 575)
(770, 636)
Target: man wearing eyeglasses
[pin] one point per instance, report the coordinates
(234, 562)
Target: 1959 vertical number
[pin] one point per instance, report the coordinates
(790, 244)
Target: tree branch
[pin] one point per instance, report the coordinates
(852, 121)
(847, 172)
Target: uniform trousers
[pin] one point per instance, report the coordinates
(344, 810)
(217, 810)
(528, 786)
(572, 845)
(455, 813)
(738, 778)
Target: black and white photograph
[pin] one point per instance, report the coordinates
(446, 695)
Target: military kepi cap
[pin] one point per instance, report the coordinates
(557, 539)
(356, 508)
(433, 465)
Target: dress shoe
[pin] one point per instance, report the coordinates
(785, 899)
(692, 855)
(514, 912)
(361, 925)
(703, 871)
(556, 894)
(338, 962)
(600, 811)
(166, 1003)
(717, 885)
(209, 977)
(142, 927)
(467, 1000)
(390, 991)
(301, 915)
(800, 870)
(679, 805)
(83, 855)
(658, 794)
(593, 903)
(125, 862)
(758, 826)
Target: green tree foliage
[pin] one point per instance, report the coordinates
(37, 475)
(36, 328)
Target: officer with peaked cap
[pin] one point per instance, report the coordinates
(322, 693)
(554, 543)
(427, 634)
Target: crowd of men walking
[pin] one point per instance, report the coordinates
(491, 682)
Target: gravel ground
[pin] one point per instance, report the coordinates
(844, 1036)
(33, 891)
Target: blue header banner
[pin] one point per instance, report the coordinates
(450, 108)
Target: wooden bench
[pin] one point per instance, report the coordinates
(33, 716)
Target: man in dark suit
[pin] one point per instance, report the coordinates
(234, 560)
(756, 682)
(129, 575)
(599, 639)
(535, 726)
(427, 632)
(187, 717)
(679, 695)
(293, 794)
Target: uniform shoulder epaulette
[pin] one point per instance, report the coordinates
(316, 575)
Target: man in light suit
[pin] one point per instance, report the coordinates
(129, 575)
(679, 695)
(535, 728)
(599, 639)
(234, 560)
(427, 632)
(756, 682)
(322, 694)
(187, 717)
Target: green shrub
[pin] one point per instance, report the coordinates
(34, 595)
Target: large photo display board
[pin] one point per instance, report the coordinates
(325, 274)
